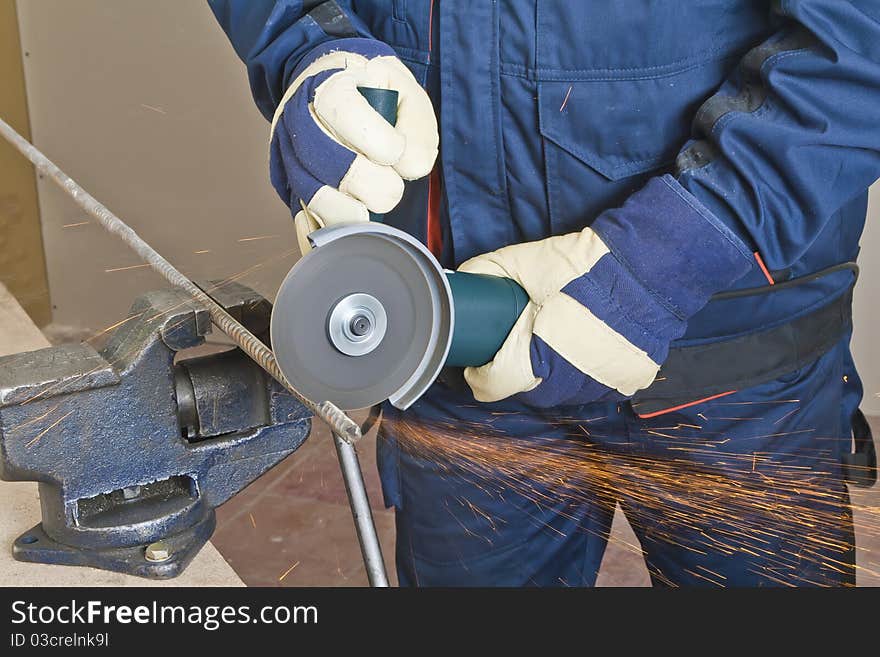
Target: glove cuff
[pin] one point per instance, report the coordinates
(675, 247)
(367, 48)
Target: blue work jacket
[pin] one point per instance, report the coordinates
(551, 111)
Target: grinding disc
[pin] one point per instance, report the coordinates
(369, 261)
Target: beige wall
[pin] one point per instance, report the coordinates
(146, 104)
(22, 267)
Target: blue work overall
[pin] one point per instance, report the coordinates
(552, 111)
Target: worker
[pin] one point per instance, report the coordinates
(680, 188)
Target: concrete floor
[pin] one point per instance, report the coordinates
(293, 526)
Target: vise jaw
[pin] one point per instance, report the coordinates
(135, 445)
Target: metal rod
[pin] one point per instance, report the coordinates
(371, 549)
(345, 430)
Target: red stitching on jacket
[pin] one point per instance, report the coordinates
(681, 406)
(764, 268)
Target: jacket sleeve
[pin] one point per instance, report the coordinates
(271, 36)
(794, 133)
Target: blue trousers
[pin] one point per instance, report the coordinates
(742, 490)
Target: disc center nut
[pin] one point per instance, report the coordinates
(361, 325)
(357, 323)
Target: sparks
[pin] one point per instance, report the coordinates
(110, 271)
(33, 441)
(565, 100)
(254, 239)
(287, 572)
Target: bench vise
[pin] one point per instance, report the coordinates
(135, 445)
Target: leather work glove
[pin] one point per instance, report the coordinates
(333, 151)
(607, 301)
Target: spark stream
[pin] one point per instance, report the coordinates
(735, 503)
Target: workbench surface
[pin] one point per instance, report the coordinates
(20, 509)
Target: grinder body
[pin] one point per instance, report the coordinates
(486, 308)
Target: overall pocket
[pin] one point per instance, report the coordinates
(619, 84)
(604, 132)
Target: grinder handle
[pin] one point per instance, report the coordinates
(383, 101)
(486, 308)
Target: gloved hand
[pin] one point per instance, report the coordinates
(606, 302)
(337, 154)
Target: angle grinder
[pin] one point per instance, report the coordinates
(369, 313)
